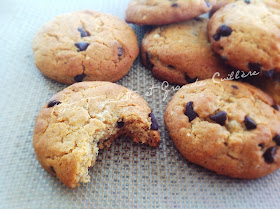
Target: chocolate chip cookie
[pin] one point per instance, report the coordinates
(247, 35)
(83, 118)
(228, 127)
(160, 12)
(85, 46)
(181, 53)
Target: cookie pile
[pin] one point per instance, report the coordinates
(230, 127)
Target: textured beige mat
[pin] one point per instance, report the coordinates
(127, 175)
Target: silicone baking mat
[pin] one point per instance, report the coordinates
(127, 175)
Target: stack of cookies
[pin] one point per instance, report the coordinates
(227, 126)
(230, 127)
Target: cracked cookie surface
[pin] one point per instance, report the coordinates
(228, 127)
(247, 35)
(83, 118)
(85, 46)
(161, 12)
(181, 53)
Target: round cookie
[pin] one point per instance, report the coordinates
(247, 35)
(181, 53)
(228, 127)
(76, 122)
(85, 46)
(160, 12)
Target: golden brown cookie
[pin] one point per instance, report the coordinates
(85, 46)
(181, 53)
(78, 121)
(161, 12)
(247, 35)
(228, 127)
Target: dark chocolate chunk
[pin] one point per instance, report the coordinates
(82, 46)
(268, 73)
(175, 5)
(120, 52)
(83, 32)
(53, 103)
(207, 3)
(216, 37)
(254, 66)
(261, 145)
(220, 118)
(247, 1)
(250, 123)
(276, 107)
(190, 112)
(269, 154)
(277, 139)
(224, 30)
(234, 86)
(190, 80)
(120, 124)
(52, 169)
(154, 125)
(79, 78)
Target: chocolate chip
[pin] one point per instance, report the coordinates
(269, 154)
(190, 112)
(208, 3)
(154, 125)
(52, 169)
(120, 52)
(120, 124)
(250, 123)
(254, 66)
(79, 78)
(261, 145)
(53, 103)
(82, 46)
(190, 80)
(224, 30)
(83, 32)
(220, 118)
(175, 5)
(247, 1)
(216, 37)
(277, 139)
(276, 107)
(268, 73)
(234, 86)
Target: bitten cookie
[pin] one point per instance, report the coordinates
(85, 46)
(247, 35)
(76, 122)
(181, 53)
(160, 12)
(228, 127)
